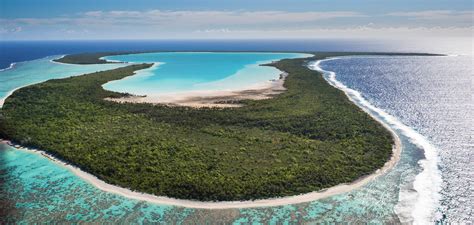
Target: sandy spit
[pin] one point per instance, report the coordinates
(214, 98)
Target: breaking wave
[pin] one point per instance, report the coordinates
(418, 206)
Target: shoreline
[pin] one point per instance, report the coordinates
(278, 201)
(215, 98)
(12, 65)
(2, 100)
(210, 99)
(427, 198)
(271, 202)
(61, 56)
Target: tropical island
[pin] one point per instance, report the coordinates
(306, 138)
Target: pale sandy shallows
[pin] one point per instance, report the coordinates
(215, 98)
(2, 100)
(338, 189)
(225, 99)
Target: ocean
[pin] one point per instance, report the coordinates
(426, 100)
(430, 100)
(18, 51)
(38, 70)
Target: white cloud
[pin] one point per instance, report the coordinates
(367, 31)
(6, 30)
(153, 24)
(213, 19)
(222, 30)
(186, 18)
(436, 15)
(93, 13)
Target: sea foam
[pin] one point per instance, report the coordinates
(417, 206)
(10, 67)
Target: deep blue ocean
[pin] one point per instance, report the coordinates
(430, 101)
(427, 101)
(17, 51)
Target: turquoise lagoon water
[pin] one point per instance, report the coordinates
(36, 189)
(193, 71)
(33, 188)
(39, 70)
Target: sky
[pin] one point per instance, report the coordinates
(232, 19)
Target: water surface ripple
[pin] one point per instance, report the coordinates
(432, 95)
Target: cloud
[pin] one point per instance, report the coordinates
(436, 15)
(6, 30)
(366, 31)
(188, 18)
(153, 24)
(222, 30)
(202, 20)
(92, 13)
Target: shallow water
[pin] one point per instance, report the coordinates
(192, 71)
(18, 51)
(39, 70)
(35, 189)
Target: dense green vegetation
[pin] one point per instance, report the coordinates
(87, 58)
(308, 138)
(95, 58)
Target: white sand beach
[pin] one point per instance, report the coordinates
(212, 98)
(191, 99)
(339, 189)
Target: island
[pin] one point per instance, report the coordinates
(304, 139)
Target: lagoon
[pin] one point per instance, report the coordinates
(35, 71)
(24, 181)
(36, 189)
(176, 72)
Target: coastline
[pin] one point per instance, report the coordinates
(338, 189)
(57, 62)
(209, 98)
(427, 183)
(216, 98)
(2, 100)
(9, 67)
(279, 201)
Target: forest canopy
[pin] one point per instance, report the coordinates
(308, 138)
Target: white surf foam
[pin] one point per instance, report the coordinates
(112, 60)
(427, 184)
(60, 57)
(10, 67)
